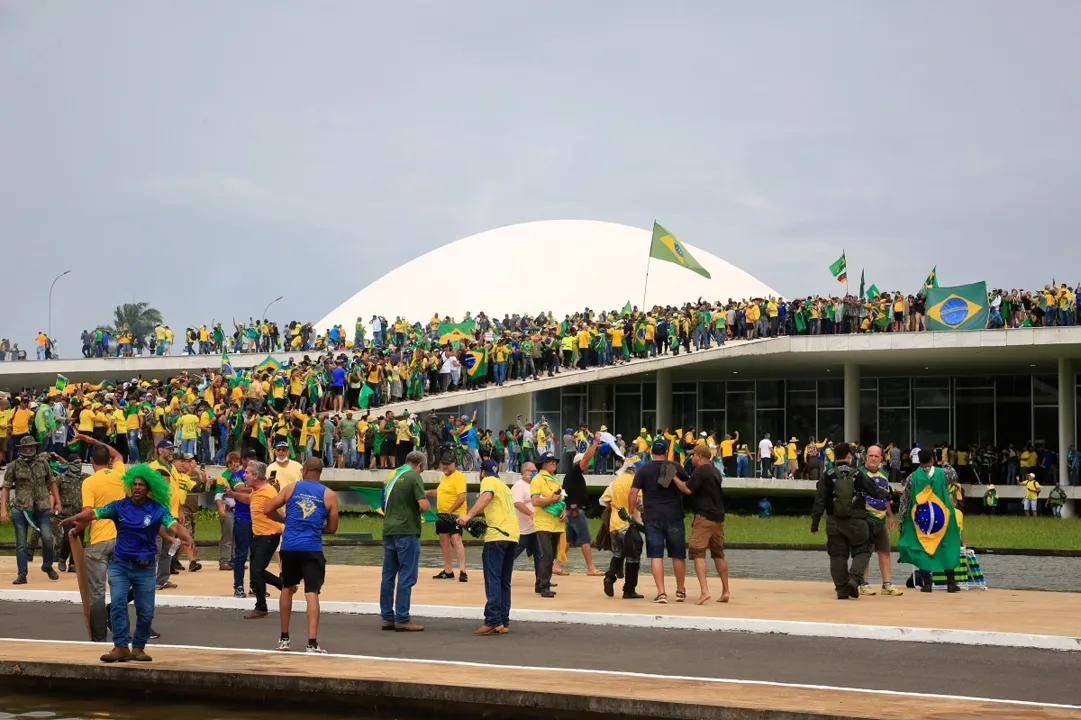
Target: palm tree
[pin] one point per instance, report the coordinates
(138, 318)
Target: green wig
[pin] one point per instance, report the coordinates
(160, 489)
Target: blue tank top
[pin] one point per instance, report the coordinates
(305, 516)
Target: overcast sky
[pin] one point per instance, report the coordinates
(209, 156)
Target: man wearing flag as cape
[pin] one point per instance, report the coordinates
(403, 502)
(930, 538)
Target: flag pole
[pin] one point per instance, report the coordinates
(649, 259)
(846, 270)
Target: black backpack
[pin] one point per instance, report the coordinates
(844, 490)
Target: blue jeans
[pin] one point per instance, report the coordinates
(349, 448)
(125, 575)
(241, 545)
(328, 453)
(204, 446)
(528, 544)
(223, 447)
(742, 466)
(133, 446)
(309, 447)
(498, 561)
(401, 558)
(22, 530)
(661, 534)
(187, 445)
(500, 369)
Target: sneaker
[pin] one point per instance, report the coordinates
(633, 595)
(195, 566)
(315, 650)
(283, 645)
(20, 580)
(167, 585)
(443, 575)
(462, 577)
(139, 655)
(866, 589)
(53, 575)
(239, 594)
(62, 566)
(154, 634)
(891, 589)
(119, 653)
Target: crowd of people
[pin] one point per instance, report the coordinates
(598, 336)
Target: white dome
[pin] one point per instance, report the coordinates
(560, 266)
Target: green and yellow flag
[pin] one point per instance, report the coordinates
(476, 363)
(268, 365)
(626, 309)
(932, 279)
(839, 268)
(666, 247)
(456, 332)
(930, 538)
(961, 307)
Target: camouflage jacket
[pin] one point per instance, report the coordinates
(70, 485)
(28, 482)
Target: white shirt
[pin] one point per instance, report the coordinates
(521, 494)
(915, 455)
(765, 449)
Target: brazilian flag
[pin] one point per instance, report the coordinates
(269, 364)
(930, 538)
(454, 333)
(639, 341)
(476, 363)
(665, 246)
(961, 307)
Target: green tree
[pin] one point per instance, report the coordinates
(137, 318)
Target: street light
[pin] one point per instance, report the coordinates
(50, 331)
(263, 316)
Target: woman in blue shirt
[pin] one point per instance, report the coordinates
(139, 518)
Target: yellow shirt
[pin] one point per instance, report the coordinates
(5, 418)
(583, 339)
(101, 488)
(260, 523)
(616, 497)
(1028, 459)
(793, 451)
(545, 485)
(617, 337)
(42, 340)
(206, 420)
(780, 455)
(181, 483)
(131, 422)
(726, 448)
(285, 476)
(450, 487)
(159, 418)
(86, 422)
(1032, 490)
(402, 431)
(499, 512)
(189, 426)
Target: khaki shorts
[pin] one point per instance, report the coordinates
(880, 536)
(706, 534)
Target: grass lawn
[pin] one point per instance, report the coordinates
(1015, 533)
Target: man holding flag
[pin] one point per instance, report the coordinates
(403, 502)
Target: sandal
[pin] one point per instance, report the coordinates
(561, 571)
(681, 595)
(661, 599)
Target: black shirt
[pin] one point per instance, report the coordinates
(574, 484)
(659, 503)
(705, 485)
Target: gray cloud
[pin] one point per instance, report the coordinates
(197, 155)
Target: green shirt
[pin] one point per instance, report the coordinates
(402, 515)
(348, 428)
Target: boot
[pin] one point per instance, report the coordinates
(630, 582)
(614, 567)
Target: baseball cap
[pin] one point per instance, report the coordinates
(546, 457)
(165, 445)
(185, 456)
(660, 446)
(281, 444)
(489, 467)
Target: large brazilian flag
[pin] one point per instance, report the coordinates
(961, 307)
(456, 332)
(665, 246)
(930, 538)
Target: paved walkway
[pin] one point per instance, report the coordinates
(991, 611)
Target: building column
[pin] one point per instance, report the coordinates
(1067, 412)
(852, 402)
(664, 400)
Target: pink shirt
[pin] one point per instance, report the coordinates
(521, 494)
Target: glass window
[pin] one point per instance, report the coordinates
(628, 419)
(802, 385)
(740, 386)
(867, 383)
(1045, 427)
(1013, 409)
(893, 392)
(974, 416)
(711, 421)
(831, 393)
(649, 422)
(936, 397)
(868, 416)
(547, 400)
(893, 427)
(931, 382)
(770, 393)
(573, 411)
(600, 397)
(603, 419)
(649, 396)
(711, 395)
(976, 381)
(769, 421)
(740, 414)
(802, 419)
(831, 424)
(684, 411)
(1045, 390)
(687, 387)
(628, 388)
(482, 415)
(932, 426)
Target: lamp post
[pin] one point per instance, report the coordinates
(50, 330)
(263, 316)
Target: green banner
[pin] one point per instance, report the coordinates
(961, 307)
